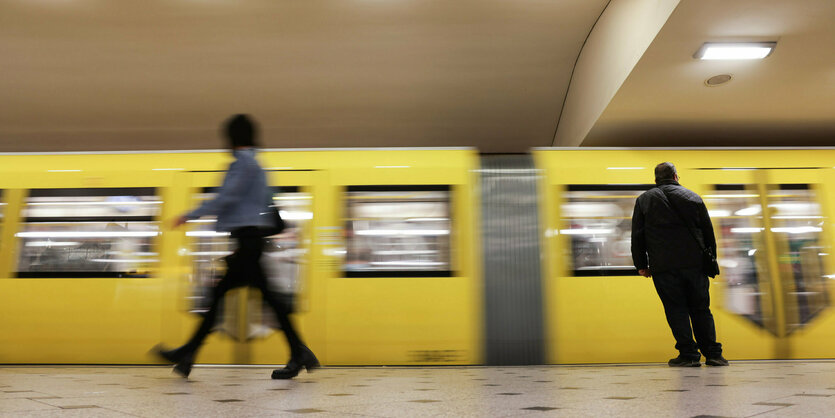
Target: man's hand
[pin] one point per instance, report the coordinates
(644, 272)
(179, 221)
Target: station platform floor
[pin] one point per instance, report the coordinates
(744, 389)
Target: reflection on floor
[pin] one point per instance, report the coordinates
(789, 388)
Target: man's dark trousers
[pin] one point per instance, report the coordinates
(686, 299)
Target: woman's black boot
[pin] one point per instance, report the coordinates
(289, 371)
(183, 367)
(306, 359)
(172, 356)
(182, 362)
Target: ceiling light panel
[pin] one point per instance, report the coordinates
(735, 51)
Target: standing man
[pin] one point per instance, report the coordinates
(660, 226)
(242, 208)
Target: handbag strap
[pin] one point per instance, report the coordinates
(686, 224)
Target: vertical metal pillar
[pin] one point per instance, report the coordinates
(514, 329)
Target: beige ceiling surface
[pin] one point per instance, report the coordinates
(786, 99)
(161, 74)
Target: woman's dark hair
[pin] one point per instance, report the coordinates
(665, 171)
(241, 131)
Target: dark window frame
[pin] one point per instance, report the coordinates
(603, 272)
(404, 273)
(85, 192)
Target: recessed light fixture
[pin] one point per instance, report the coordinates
(735, 51)
(718, 80)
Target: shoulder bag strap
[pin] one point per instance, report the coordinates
(686, 224)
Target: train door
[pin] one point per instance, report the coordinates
(400, 297)
(245, 332)
(773, 292)
(594, 295)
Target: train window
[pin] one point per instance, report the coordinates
(397, 231)
(797, 225)
(598, 218)
(89, 233)
(736, 212)
(283, 258)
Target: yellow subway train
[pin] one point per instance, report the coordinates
(408, 256)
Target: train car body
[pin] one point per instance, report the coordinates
(409, 256)
(770, 211)
(382, 246)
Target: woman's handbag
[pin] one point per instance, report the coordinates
(277, 225)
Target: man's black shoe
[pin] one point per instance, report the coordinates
(716, 361)
(683, 362)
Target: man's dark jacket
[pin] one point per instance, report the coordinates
(658, 232)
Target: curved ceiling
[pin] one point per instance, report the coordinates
(161, 74)
(787, 99)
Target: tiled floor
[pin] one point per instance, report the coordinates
(763, 389)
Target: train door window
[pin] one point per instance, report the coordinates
(736, 212)
(797, 225)
(89, 233)
(598, 219)
(207, 250)
(397, 231)
(283, 257)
